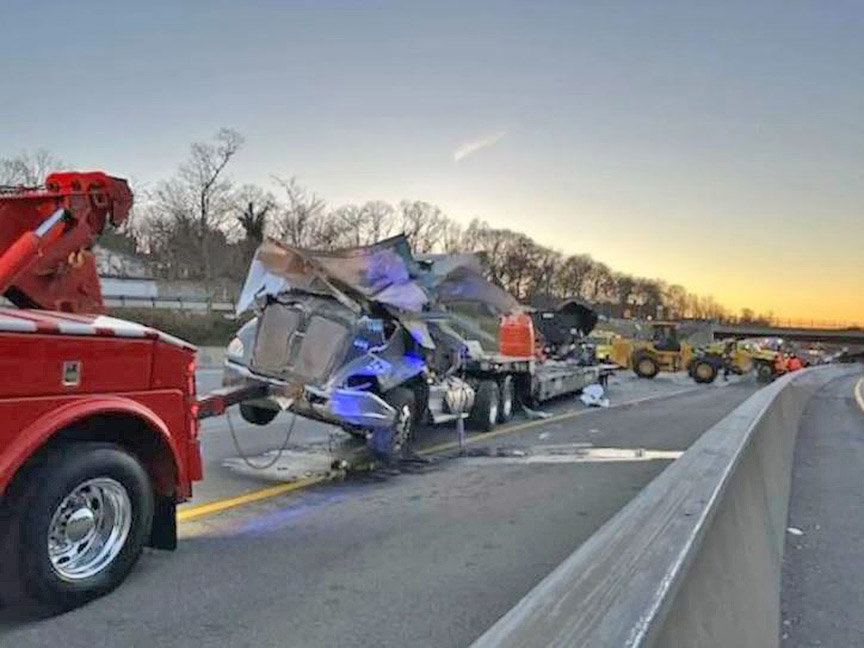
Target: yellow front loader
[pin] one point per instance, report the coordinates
(663, 352)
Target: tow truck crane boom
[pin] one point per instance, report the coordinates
(46, 235)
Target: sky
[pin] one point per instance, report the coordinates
(719, 145)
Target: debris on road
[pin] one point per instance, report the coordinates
(535, 414)
(594, 396)
(795, 531)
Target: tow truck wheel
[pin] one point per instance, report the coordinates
(704, 371)
(257, 415)
(645, 366)
(78, 520)
(484, 414)
(507, 402)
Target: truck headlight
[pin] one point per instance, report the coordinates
(235, 349)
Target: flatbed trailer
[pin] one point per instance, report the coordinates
(539, 381)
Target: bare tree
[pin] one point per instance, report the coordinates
(423, 224)
(301, 221)
(28, 169)
(675, 300)
(545, 267)
(196, 203)
(352, 222)
(378, 219)
(192, 215)
(600, 284)
(573, 276)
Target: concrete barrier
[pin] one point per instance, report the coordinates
(694, 559)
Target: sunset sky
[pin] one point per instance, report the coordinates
(719, 145)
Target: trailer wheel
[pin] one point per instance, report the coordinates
(484, 414)
(257, 415)
(645, 366)
(78, 520)
(704, 371)
(507, 403)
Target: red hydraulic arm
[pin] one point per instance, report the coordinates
(46, 235)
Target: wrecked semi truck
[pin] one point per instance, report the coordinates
(377, 341)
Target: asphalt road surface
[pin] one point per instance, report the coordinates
(225, 477)
(428, 556)
(823, 571)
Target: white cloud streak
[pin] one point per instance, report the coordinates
(469, 148)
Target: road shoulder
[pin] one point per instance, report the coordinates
(823, 573)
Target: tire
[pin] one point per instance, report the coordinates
(396, 440)
(507, 400)
(645, 366)
(704, 371)
(93, 495)
(484, 414)
(257, 415)
(764, 372)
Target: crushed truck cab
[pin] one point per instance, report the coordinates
(329, 362)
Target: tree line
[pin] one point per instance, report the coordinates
(200, 225)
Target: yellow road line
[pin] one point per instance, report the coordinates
(859, 393)
(193, 512)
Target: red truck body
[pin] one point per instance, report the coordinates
(138, 378)
(99, 441)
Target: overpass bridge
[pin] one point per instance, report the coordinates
(847, 337)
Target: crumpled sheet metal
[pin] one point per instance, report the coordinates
(386, 273)
(380, 272)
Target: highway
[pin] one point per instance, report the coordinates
(430, 555)
(223, 482)
(823, 571)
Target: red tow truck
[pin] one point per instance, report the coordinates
(99, 440)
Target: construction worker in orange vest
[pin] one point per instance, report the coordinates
(779, 364)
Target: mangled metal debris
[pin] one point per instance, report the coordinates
(376, 340)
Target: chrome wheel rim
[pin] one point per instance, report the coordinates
(493, 412)
(89, 528)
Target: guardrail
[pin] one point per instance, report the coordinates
(695, 558)
(171, 303)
